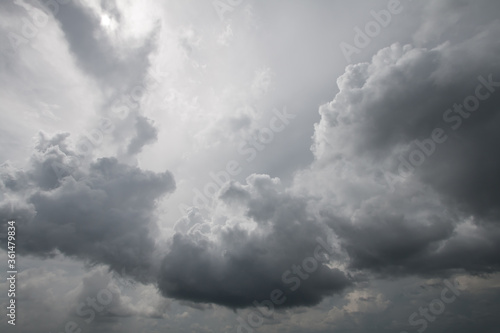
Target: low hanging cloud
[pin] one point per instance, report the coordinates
(242, 255)
(103, 213)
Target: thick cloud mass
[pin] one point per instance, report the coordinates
(242, 258)
(105, 215)
(441, 213)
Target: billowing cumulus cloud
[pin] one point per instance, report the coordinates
(251, 249)
(103, 213)
(256, 241)
(409, 145)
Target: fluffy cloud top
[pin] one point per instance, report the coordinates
(408, 146)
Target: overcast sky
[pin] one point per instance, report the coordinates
(251, 166)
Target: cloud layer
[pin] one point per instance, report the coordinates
(346, 219)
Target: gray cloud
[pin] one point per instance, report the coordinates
(234, 266)
(394, 238)
(106, 216)
(145, 133)
(442, 216)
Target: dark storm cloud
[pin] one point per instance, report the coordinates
(106, 216)
(404, 94)
(393, 245)
(232, 266)
(443, 215)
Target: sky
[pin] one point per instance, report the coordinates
(249, 166)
